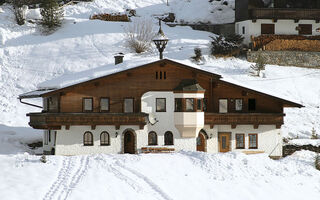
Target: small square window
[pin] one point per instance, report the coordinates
(240, 141)
(161, 105)
(189, 105)
(104, 104)
(87, 104)
(128, 105)
(223, 105)
(253, 141)
(238, 104)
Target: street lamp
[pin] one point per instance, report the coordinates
(160, 40)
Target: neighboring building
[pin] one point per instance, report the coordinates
(159, 106)
(285, 17)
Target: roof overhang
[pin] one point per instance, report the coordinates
(34, 94)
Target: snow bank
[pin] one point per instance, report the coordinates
(301, 142)
(14, 140)
(184, 175)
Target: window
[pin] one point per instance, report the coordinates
(161, 105)
(251, 104)
(49, 135)
(243, 30)
(87, 139)
(189, 105)
(199, 104)
(238, 104)
(128, 105)
(87, 104)
(161, 75)
(305, 29)
(178, 105)
(104, 104)
(152, 138)
(104, 139)
(239, 141)
(223, 105)
(253, 141)
(205, 104)
(168, 138)
(267, 28)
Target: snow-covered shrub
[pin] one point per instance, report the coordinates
(258, 68)
(229, 46)
(43, 159)
(139, 35)
(19, 10)
(52, 15)
(198, 54)
(317, 162)
(314, 135)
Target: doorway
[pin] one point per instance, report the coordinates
(129, 141)
(224, 142)
(201, 142)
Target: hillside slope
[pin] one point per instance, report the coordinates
(27, 57)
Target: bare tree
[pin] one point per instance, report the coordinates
(139, 35)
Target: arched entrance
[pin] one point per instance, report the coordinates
(201, 142)
(129, 141)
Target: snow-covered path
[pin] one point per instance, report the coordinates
(184, 175)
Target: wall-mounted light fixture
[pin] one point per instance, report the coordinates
(116, 134)
(211, 135)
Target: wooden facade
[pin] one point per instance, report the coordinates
(65, 106)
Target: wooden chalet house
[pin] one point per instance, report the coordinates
(281, 17)
(155, 107)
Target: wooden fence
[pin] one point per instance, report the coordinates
(111, 17)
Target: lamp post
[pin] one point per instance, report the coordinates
(160, 41)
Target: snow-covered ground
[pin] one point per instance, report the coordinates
(184, 175)
(28, 58)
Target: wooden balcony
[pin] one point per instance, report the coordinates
(284, 13)
(235, 119)
(56, 120)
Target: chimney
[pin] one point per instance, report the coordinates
(118, 58)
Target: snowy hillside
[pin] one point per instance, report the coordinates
(28, 58)
(184, 175)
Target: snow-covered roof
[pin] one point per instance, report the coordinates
(34, 94)
(87, 75)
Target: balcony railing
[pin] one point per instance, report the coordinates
(56, 120)
(284, 13)
(235, 119)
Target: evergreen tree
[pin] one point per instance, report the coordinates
(52, 14)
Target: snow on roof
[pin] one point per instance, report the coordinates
(83, 76)
(87, 75)
(34, 94)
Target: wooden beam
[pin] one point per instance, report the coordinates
(256, 126)
(211, 126)
(278, 126)
(274, 20)
(233, 126)
(93, 127)
(141, 126)
(67, 127)
(117, 126)
(296, 20)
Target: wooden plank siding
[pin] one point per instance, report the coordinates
(133, 83)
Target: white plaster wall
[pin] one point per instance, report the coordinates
(48, 147)
(286, 27)
(269, 138)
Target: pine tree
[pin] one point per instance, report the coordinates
(52, 14)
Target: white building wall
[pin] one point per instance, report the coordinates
(48, 140)
(285, 27)
(70, 142)
(269, 138)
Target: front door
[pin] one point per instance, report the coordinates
(201, 142)
(224, 142)
(129, 141)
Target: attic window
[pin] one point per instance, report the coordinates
(162, 75)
